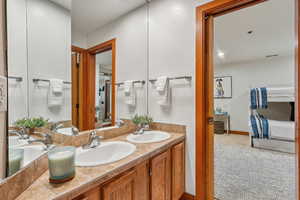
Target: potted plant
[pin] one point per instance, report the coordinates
(29, 124)
(142, 121)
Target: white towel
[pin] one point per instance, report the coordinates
(55, 94)
(130, 97)
(56, 85)
(163, 91)
(161, 83)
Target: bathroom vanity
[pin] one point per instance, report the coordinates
(154, 171)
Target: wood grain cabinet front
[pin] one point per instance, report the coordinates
(123, 188)
(94, 194)
(178, 171)
(160, 178)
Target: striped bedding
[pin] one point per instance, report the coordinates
(258, 98)
(260, 126)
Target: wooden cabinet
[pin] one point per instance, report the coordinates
(93, 194)
(133, 185)
(142, 181)
(161, 177)
(123, 188)
(178, 171)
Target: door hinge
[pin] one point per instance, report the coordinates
(150, 171)
(77, 105)
(78, 59)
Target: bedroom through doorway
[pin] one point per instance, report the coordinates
(254, 102)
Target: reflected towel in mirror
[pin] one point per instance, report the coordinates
(130, 97)
(55, 94)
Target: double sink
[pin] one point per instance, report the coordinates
(105, 153)
(109, 152)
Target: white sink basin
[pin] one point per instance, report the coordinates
(106, 152)
(149, 137)
(65, 131)
(14, 141)
(31, 153)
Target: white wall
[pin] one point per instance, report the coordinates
(17, 59)
(49, 56)
(79, 39)
(130, 32)
(171, 53)
(260, 73)
(172, 50)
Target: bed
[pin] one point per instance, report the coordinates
(281, 94)
(282, 133)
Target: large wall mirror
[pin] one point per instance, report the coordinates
(72, 66)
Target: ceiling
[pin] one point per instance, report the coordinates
(88, 15)
(272, 23)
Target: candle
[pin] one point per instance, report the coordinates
(15, 158)
(61, 163)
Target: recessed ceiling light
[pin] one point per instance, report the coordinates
(221, 54)
(272, 55)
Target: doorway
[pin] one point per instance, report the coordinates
(100, 81)
(206, 15)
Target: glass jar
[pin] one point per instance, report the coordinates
(15, 160)
(61, 164)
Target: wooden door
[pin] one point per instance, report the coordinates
(75, 89)
(210, 107)
(161, 177)
(123, 188)
(178, 171)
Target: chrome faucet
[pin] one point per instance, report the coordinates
(75, 130)
(56, 125)
(21, 133)
(119, 123)
(140, 131)
(94, 140)
(47, 140)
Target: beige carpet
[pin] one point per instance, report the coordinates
(245, 173)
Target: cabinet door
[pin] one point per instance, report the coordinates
(93, 194)
(142, 181)
(178, 171)
(161, 177)
(123, 188)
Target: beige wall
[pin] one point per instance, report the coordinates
(2, 73)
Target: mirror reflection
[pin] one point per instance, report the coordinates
(103, 77)
(67, 64)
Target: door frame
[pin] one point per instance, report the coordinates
(90, 83)
(82, 63)
(204, 140)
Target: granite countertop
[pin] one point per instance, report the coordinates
(89, 177)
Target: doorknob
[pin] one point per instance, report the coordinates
(210, 120)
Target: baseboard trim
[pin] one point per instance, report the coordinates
(239, 132)
(187, 196)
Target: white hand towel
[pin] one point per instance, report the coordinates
(55, 93)
(161, 83)
(130, 96)
(56, 85)
(163, 96)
